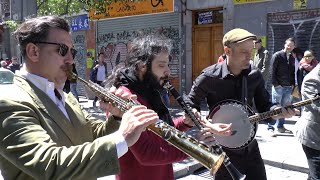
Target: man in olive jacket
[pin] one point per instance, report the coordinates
(44, 134)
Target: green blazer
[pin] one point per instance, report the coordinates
(37, 141)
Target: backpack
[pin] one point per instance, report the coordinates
(93, 75)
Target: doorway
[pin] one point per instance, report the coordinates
(207, 39)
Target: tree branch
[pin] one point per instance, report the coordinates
(40, 4)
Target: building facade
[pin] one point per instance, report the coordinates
(16, 10)
(272, 20)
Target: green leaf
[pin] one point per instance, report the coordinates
(13, 25)
(69, 7)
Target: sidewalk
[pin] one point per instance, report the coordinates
(282, 151)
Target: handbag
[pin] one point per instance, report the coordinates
(295, 92)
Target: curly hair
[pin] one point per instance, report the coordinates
(143, 50)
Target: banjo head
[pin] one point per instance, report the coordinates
(242, 130)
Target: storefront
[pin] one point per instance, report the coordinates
(115, 32)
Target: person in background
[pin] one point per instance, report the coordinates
(297, 54)
(306, 64)
(44, 132)
(283, 81)
(14, 64)
(99, 73)
(8, 61)
(261, 59)
(5, 75)
(308, 126)
(223, 81)
(73, 83)
(3, 64)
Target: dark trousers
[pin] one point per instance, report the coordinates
(247, 160)
(96, 98)
(313, 157)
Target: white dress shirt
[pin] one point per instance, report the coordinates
(48, 87)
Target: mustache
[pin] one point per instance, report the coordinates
(67, 67)
(164, 78)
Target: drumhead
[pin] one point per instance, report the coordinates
(236, 114)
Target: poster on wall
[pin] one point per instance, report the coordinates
(116, 8)
(299, 4)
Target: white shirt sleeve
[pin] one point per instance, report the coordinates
(121, 143)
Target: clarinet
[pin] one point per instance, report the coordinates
(217, 149)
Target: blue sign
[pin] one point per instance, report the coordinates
(205, 18)
(79, 23)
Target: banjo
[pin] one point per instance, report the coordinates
(244, 121)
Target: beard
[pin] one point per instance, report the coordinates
(153, 81)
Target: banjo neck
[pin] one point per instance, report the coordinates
(261, 116)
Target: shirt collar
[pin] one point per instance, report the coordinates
(42, 83)
(225, 70)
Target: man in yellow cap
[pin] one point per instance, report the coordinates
(237, 79)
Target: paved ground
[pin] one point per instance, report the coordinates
(273, 173)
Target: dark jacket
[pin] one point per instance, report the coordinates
(216, 83)
(94, 72)
(14, 67)
(282, 69)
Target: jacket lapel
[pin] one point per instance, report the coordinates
(79, 122)
(45, 104)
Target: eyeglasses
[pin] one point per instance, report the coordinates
(63, 49)
(307, 57)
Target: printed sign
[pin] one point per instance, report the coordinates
(79, 23)
(121, 8)
(299, 4)
(205, 18)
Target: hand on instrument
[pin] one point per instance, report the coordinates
(109, 107)
(286, 112)
(135, 121)
(188, 121)
(220, 129)
(205, 136)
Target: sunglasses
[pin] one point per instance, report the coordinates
(307, 56)
(63, 49)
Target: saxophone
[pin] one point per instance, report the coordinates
(180, 140)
